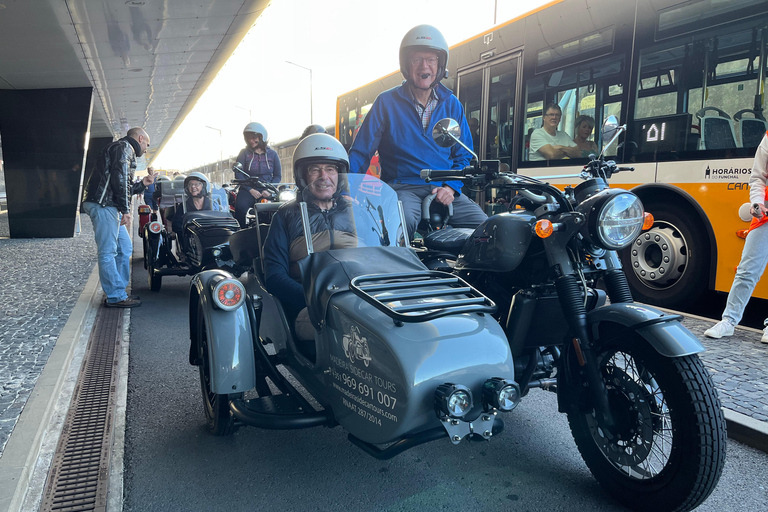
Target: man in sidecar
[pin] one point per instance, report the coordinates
(317, 162)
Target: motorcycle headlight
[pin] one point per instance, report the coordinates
(286, 195)
(614, 218)
(452, 400)
(500, 394)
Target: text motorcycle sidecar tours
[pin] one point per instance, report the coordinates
(403, 355)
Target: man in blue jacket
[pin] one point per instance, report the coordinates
(399, 125)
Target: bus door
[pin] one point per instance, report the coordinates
(488, 93)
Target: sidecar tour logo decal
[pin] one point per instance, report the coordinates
(356, 347)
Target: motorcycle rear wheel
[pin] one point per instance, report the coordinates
(667, 450)
(216, 406)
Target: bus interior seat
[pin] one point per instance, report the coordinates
(716, 130)
(751, 129)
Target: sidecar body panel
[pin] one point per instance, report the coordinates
(230, 337)
(381, 378)
(662, 330)
(498, 244)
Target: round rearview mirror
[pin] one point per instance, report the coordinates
(446, 132)
(610, 127)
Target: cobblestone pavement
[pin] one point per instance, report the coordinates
(40, 282)
(739, 368)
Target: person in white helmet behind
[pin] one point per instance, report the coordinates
(257, 160)
(399, 125)
(319, 163)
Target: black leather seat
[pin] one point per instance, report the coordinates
(450, 240)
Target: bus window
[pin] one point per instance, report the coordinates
(700, 94)
(585, 93)
(470, 94)
(501, 106)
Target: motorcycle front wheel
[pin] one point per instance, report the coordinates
(666, 450)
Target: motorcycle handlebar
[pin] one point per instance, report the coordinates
(619, 169)
(435, 173)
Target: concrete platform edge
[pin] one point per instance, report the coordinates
(22, 459)
(747, 430)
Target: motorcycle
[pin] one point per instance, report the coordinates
(403, 355)
(277, 193)
(642, 408)
(201, 244)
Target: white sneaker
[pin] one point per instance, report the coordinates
(764, 339)
(720, 329)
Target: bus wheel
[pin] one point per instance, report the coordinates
(668, 265)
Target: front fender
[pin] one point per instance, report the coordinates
(230, 336)
(663, 331)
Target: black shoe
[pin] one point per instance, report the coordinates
(127, 303)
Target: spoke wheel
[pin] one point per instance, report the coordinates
(667, 442)
(216, 406)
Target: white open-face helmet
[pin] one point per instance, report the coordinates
(256, 128)
(199, 177)
(424, 38)
(318, 148)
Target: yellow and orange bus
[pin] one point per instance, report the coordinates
(686, 77)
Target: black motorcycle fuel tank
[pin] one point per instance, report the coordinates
(498, 244)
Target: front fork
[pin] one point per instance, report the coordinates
(572, 302)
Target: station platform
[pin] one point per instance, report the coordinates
(49, 299)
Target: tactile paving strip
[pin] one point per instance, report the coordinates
(79, 474)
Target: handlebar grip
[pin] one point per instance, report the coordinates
(618, 169)
(435, 174)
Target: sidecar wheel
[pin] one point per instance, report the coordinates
(216, 406)
(668, 445)
(144, 246)
(153, 281)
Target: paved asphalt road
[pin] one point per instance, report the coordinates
(172, 463)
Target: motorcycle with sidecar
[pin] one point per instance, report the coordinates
(402, 355)
(201, 242)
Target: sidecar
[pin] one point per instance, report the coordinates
(400, 355)
(202, 242)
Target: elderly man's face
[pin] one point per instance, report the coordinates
(421, 65)
(552, 118)
(322, 180)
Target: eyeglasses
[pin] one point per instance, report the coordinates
(250, 135)
(431, 61)
(553, 116)
(315, 170)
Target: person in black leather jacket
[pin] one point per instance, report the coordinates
(318, 161)
(107, 200)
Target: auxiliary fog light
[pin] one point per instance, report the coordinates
(452, 400)
(500, 394)
(216, 253)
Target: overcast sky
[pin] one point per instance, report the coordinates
(346, 43)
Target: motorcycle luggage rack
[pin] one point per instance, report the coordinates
(219, 222)
(382, 291)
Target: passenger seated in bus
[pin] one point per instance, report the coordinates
(317, 161)
(474, 130)
(404, 140)
(197, 192)
(584, 127)
(547, 142)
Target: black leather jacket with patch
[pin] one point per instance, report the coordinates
(111, 183)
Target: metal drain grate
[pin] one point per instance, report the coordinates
(79, 473)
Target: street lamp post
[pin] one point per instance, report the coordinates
(246, 109)
(221, 151)
(311, 110)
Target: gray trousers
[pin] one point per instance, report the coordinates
(466, 213)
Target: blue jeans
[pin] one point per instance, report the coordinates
(114, 248)
(754, 258)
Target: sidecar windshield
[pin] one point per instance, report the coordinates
(366, 214)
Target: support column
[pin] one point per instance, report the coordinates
(44, 134)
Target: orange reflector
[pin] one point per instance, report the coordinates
(229, 295)
(263, 201)
(647, 221)
(544, 228)
(143, 209)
